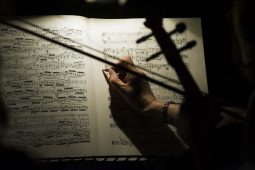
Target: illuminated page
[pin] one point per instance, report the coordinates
(118, 38)
(48, 89)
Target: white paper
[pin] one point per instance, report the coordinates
(58, 100)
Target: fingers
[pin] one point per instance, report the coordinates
(126, 59)
(115, 81)
(106, 77)
(120, 79)
(127, 62)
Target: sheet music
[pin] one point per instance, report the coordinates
(58, 101)
(48, 89)
(118, 38)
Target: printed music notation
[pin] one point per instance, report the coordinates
(130, 38)
(52, 94)
(122, 140)
(124, 43)
(37, 131)
(43, 85)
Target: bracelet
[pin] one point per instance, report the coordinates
(163, 111)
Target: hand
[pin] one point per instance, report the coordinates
(136, 91)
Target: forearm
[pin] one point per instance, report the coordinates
(153, 110)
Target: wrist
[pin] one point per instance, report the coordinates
(153, 109)
(165, 111)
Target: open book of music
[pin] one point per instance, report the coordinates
(58, 102)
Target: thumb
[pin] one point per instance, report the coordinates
(115, 81)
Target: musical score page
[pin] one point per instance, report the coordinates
(48, 89)
(118, 38)
(58, 101)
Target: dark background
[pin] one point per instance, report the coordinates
(224, 77)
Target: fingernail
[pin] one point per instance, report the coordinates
(106, 70)
(106, 76)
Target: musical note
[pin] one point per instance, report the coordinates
(124, 43)
(122, 141)
(49, 130)
(44, 85)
